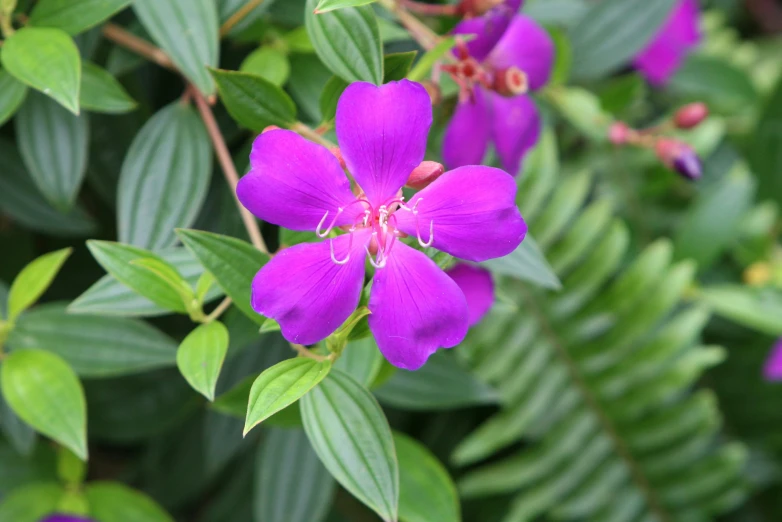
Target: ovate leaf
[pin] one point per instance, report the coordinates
(252, 101)
(101, 92)
(281, 385)
(45, 392)
(269, 63)
(115, 502)
(325, 6)
(164, 178)
(47, 60)
(329, 98)
(33, 281)
(351, 436)
(396, 66)
(200, 357)
(74, 16)
(12, 93)
(347, 41)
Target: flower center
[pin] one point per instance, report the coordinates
(468, 73)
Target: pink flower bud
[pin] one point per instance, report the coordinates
(511, 81)
(424, 174)
(338, 154)
(618, 133)
(680, 157)
(691, 115)
(270, 128)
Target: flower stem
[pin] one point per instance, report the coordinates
(217, 312)
(304, 352)
(311, 135)
(425, 9)
(420, 32)
(138, 45)
(238, 16)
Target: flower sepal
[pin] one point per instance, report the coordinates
(336, 342)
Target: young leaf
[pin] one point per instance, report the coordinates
(268, 63)
(426, 491)
(203, 286)
(167, 275)
(46, 60)
(281, 385)
(200, 357)
(59, 162)
(12, 93)
(347, 41)
(101, 92)
(115, 502)
(231, 261)
(324, 6)
(164, 178)
(252, 101)
(526, 263)
(33, 281)
(70, 469)
(43, 390)
(187, 32)
(74, 16)
(333, 414)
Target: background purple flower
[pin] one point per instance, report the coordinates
(772, 370)
(311, 289)
(66, 518)
(478, 288)
(666, 52)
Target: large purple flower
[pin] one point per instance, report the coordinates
(666, 52)
(509, 54)
(310, 289)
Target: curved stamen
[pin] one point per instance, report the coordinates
(340, 210)
(418, 233)
(377, 264)
(334, 258)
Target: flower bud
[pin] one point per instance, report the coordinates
(424, 174)
(270, 128)
(679, 157)
(511, 81)
(691, 115)
(619, 133)
(338, 154)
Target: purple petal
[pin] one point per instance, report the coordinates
(527, 46)
(294, 182)
(474, 213)
(514, 5)
(416, 308)
(516, 128)
(772, 370)
(488, 29)
(382, 134)
(477, 286)
(309, 294)
(467, 135)
(663, 56)
(65, 518)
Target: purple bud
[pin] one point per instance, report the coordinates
(688, 164)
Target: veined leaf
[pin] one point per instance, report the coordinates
(324, 6)
(101, 92)
(74, 16)
(269, 63)
(33, 281)
(254, 102)
(200, 357)
(12, 93)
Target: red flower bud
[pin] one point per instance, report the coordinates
(619, 133)
(691, 115)
(511, 81)
(270, 128)
(424, 174)
(338, 154)
(679, 157)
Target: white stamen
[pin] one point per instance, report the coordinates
(418, 234)
(334, 258)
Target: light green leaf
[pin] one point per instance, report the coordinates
(45, 392)
(101, 92)
(164, 178)
(282, 385)
(203, 286)
(94, 346)
(347, 42)
(325, 6)
(351, 436)
(200, 357)
(252, 101)
(70, 468)
(526, 263)
(74, 16)
(168, 275)
(31, 503)
(46, 60)
(427, 61)
(33, 281)
(58, 162)
(426, 491)
(756, 308)
(12, 93)
(188, 33)
(269, 63)
(231, 261)
(115, 502)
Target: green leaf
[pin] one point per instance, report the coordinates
(231, 261)
(427, 61)
(426, 491)
(117, 259)
(252, 101)
(74, 16)
(31, 503)
(329, 98)
(33, 281)
(94, 346)
(21, 436)
(324, 6)
(115, 502)
(351, 436)
(200, 357)
(46, 60)
(188, 33)
(614, 31)
(396, 66)
(361, 360)
(440, 384)
(43, 390)
(101, 92)
(291, 485)
(347, 41)
(70, 468)
(12, 93)
(298, 41)
(58, 162)
(282, 385)
(563, 61)
(723, 86)
(526, 263)
(203, 286)
(164, 178)
(765, 148)
(269, 63)
(756, 308)
(168, 275)
(621, 92)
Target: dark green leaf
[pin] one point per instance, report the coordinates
(46, 60)
(20, 435)
(269, 63)
(328, 103)
(53, 143)
(33, 281)
(74, 16)
(253, 101)
(187, 32)
(164, 178)
(31, 503)
(396, 66)
(12, 93)
(723, 86)
(115, 502)
(325, 6)
(351, 436)
(347, 41)
(200, 357)
(765, 148)
(526, 263)
(101, 92)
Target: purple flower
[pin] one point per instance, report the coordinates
(310, 289)
(510, 54)
(477, 286)
(65, 518)
(772, 370)
(666, 52)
